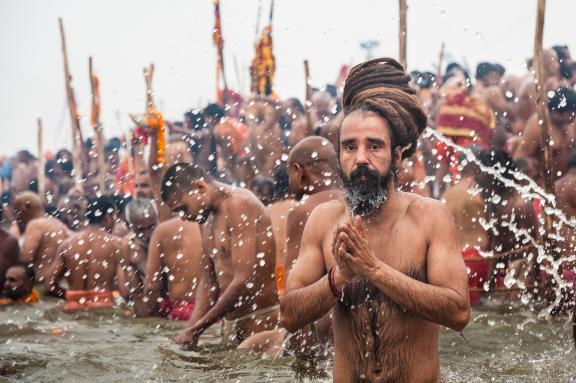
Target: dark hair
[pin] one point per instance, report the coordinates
(296, 104)
(483, 69)
(455, 66)
(562, 101)
(98, 209)
(499, 69)
(49, 169)
(120, 201)
(424, 80)
(179, 178)
(565, 69)
(504, 164)
(281, 183)
(331, 90)
(28, 271)
(195, 119)
(214, 110)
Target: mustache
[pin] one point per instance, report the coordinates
(363, 171)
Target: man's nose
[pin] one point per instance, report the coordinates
(361, 156)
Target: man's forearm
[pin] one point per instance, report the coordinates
(222, 307)
(441, 305)
(299, 307)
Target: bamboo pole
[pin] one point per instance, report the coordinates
(541, 106)
(98, 130)
(308, 103)
(41, 161)
(402, 33)
(75, 121)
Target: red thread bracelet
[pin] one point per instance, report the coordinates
(332, 283)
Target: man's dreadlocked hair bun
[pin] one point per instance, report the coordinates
(381, 86)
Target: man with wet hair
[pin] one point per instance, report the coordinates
(385, 262)
(239, 254)
(88, 260)
(19, 285)
(142, 218)
(41, 235)
(562, 130)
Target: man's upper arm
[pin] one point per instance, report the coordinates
(310, 265)
(530, 139)
(153, 278)
(294, 230)
(242, 229)
(444, 262)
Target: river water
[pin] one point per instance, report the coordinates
(40, 343)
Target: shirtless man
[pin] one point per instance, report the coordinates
(515, 228)
(142, 218)
(526, 105)
(173, 270)
(466, 205)
(88, 260)
(9, 250)
(562, 112)
(143, 187)
(41, 234)
(239, 254)
(385, 262)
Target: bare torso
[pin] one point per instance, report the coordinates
(566, 199)
(375, 339)
(180, 243)
(90, 260)
(132, 257)
(279, 216)
(40, 243)
(467, 207)
(221, 236)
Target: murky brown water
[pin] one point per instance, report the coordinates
(504, 346)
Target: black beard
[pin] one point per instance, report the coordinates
(15, 294)
(366, 197)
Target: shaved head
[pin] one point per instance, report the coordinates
(28, 201)
(312, 166)
(312, 151)
(177, 152)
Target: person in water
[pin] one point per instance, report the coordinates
(19, 285)
(386, 262)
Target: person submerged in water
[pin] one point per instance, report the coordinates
(386, 262)
(19, 286)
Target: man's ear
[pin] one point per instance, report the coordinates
(199, 185)
(300, 172)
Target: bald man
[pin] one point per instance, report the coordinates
(9, 250)
(88, 260)
(40, 234)
(173, 270)
(142, 219)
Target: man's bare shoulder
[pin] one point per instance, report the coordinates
(425, 208)
(328, 211)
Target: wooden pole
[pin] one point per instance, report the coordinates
(98, 130)
(440, 65)
(76, 155)
(402, 33)
(541, 104)
(148, 75)
(41, 162)
(308, 103)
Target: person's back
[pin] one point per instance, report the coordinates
(173, 270)
(467, 207)
(279, 216)
(90, 258)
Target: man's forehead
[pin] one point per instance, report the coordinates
(15, 272)
(364, 125)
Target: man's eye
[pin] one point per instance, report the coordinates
(349, 148)
(375, 147)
